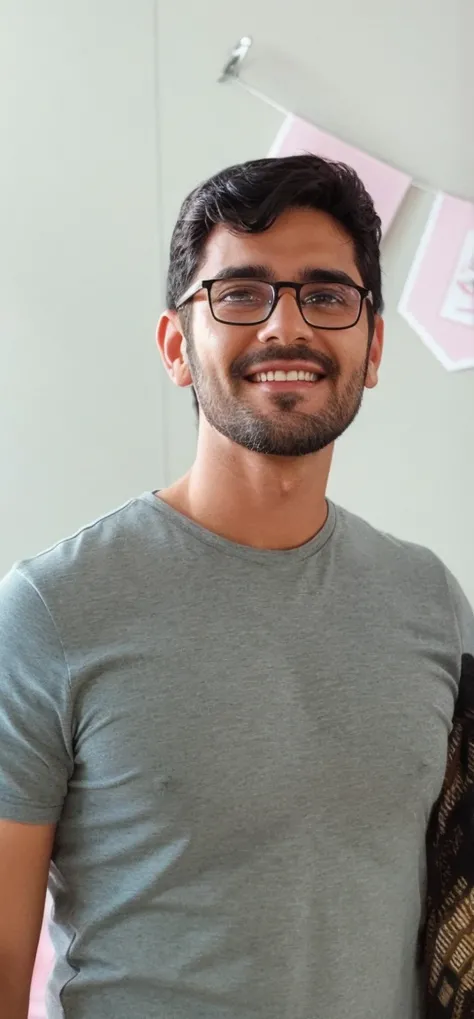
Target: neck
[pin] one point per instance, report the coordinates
(252, 499)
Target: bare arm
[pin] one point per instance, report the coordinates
(25, 852)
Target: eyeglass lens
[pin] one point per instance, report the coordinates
(248, 302)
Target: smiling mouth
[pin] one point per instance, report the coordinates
(286, 377)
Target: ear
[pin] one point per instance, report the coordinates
(375, 356)
(172, 346)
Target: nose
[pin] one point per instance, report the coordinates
(286, 323)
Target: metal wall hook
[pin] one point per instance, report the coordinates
(232, 68)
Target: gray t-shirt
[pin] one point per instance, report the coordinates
(241, 749)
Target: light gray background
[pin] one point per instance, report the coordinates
(110, 113)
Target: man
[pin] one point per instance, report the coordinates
(225, 707)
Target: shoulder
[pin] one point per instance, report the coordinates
(381, 548)
(90, 550)
(66, 579)
(407, 571)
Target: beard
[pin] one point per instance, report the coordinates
(288, 432)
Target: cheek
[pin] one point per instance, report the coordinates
(350, 350)
(218, 346)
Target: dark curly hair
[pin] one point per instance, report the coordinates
(250, 196)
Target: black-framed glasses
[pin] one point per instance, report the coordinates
(247, 301)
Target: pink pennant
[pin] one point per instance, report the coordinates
(387, 186)
(42, 970)
(438, 298)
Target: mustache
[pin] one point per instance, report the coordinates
(297, 352)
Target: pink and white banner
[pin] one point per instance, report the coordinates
(387, 186)
(438, 297)
(42, 968)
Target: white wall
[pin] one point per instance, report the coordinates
(80, 280)
(112, 113)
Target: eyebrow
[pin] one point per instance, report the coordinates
(310, 274)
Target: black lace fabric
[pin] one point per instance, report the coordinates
(447, 942)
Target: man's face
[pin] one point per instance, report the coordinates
(290, 417)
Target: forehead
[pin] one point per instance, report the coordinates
(299, 238)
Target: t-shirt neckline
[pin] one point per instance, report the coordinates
(227, 547)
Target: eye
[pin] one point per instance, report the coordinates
(329, 296)
(237, 295)
(320, 296)
(243, 293)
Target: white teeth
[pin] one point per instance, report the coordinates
(282, 376)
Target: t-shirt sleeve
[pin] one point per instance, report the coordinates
(36, 758)
(464, 616)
